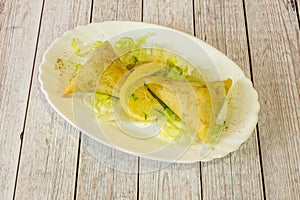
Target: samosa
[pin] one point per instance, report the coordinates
(196, 103)
(100, 73)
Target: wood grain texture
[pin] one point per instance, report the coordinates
(174, 181)
(237, 176)
(129, 10)
(50, 145)
(169, 181)
(174, 14)
(105, 173)
(19, 22)
(112, 177)
(274, 45)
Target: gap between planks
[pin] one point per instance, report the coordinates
(77, 165)
(80, 133)
(200, 166)
(28, 97)
(297, 12)
(252, 79)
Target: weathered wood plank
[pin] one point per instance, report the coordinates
(105, 173)
(221, 23)
(50, 145)
(275, 46)
(19, 22)
(109, 177)
(159, 180)
(117, 10)
(174, 14)
(173, 181)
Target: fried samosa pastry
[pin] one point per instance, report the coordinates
(196, 103)
(100, 73)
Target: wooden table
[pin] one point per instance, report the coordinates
(43, 157)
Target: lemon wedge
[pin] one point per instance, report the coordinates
(135, 99)
(142, 105)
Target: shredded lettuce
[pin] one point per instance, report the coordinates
(179, 73)
(101, 104)
(83, 49)
(74, 45)
(174, 130)
(177, 132)
(130, 52)
(170, 133)
(127, 44)
(142, 40)
(215, 133)
(124, 45)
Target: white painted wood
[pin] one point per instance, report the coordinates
(274, 45)
(174, 14)
(19, 21)
(49, 153)
(127, 10)
(169, 181)
(105, 173)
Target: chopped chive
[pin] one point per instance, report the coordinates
(145, 116)
(177, 69)
(170, 63)
(134, 97)
(134, 59)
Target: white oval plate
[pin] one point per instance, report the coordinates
(242, 109)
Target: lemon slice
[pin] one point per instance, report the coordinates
(142, 105)
(135, 99)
